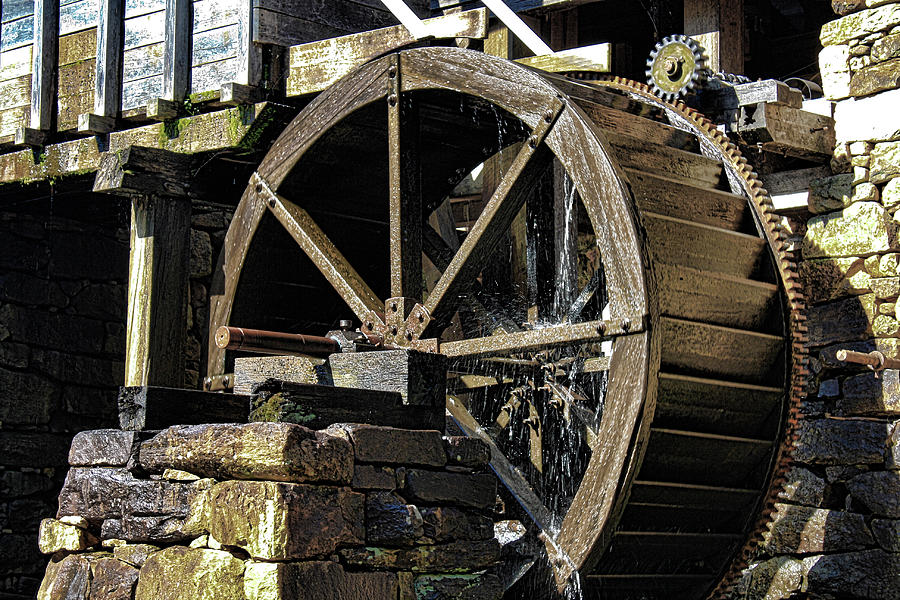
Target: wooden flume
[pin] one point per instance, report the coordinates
(692, 320)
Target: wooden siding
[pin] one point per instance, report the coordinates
(77, 72)
(16, 44)
(145, 26)
(214, 48)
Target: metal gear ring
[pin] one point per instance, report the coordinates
(676, 67)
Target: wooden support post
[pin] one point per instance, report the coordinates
(158, 183)
(177, 54)
(718, 25)
(43, 73)
(157, 291)
(249, 55)
(108, 82)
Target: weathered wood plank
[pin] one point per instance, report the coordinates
(136, 93)
(211, 76)
(108, 78)
(309, 25)
(145, 61)
(596, 59)
(318, 406)
(15, 92)
(177, 54)
(218, 44)
(250, 371)
(516, 5)
(717, 298)
(697, 246)
(17, 33)
(148, 171)
(77, 16)
(77, 78)
(718, 26)
(233, 128)
(715, 406)
(720, 352)
(787, 130)
(44, 59)
(13, 118)
(211, 14)
(145, 29)
(315, 66)
(15, 63)
(143, 408)
(76, 47)
(635, 153)
(249, 55)
(663, 195)
(639, 127)
(135, 8)
(157, 291)
(70, 107)
(15, 9)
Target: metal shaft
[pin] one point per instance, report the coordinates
(274, 342)
(875, 359)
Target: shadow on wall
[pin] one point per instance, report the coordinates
(835, 531)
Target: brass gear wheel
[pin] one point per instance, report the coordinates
(676, 67)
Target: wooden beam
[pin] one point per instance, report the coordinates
(177, 53)
(108, 83)
(141, 171)
(315, 66)
(718, 25)
(249, 55)
(596, 58)
(44, 58)
(787, 130)
(143, 408)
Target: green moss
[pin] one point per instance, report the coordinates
(276, 408)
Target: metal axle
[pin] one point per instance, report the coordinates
(874, 360)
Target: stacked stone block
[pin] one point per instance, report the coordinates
(267, 511)
(62, 337)
(836, 525)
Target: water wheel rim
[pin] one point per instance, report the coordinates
(602, 184)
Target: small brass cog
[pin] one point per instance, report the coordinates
(676, 67)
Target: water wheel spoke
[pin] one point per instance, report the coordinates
(534, 339)
(405, 184)
(493, 222)
(364, 303)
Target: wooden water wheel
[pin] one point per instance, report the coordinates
(622, 323)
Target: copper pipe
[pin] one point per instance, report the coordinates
(275, 342)
(875, 360)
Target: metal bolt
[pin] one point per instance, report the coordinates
(272, 202)
(370, 326)
(421, 318)
(392, 71)
(409, 336)
(548, 116)
(393, 307)
(601, 328)
(533, 141)
(394, 330)
(259, 188)
(345, 324)
(392, 99)
(626, 324)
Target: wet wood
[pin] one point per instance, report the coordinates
(638, 127)
(683, 456)
(718, 299)
(405, 185)
(315, 66)
(670, 197)
(44, 63)
(714, 351)
(697, 246)
(157, 293)
(716, 406)
(147, 408)
(636, 153)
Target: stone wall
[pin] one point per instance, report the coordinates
(836, 530)
(271, 511)
(62, 338)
